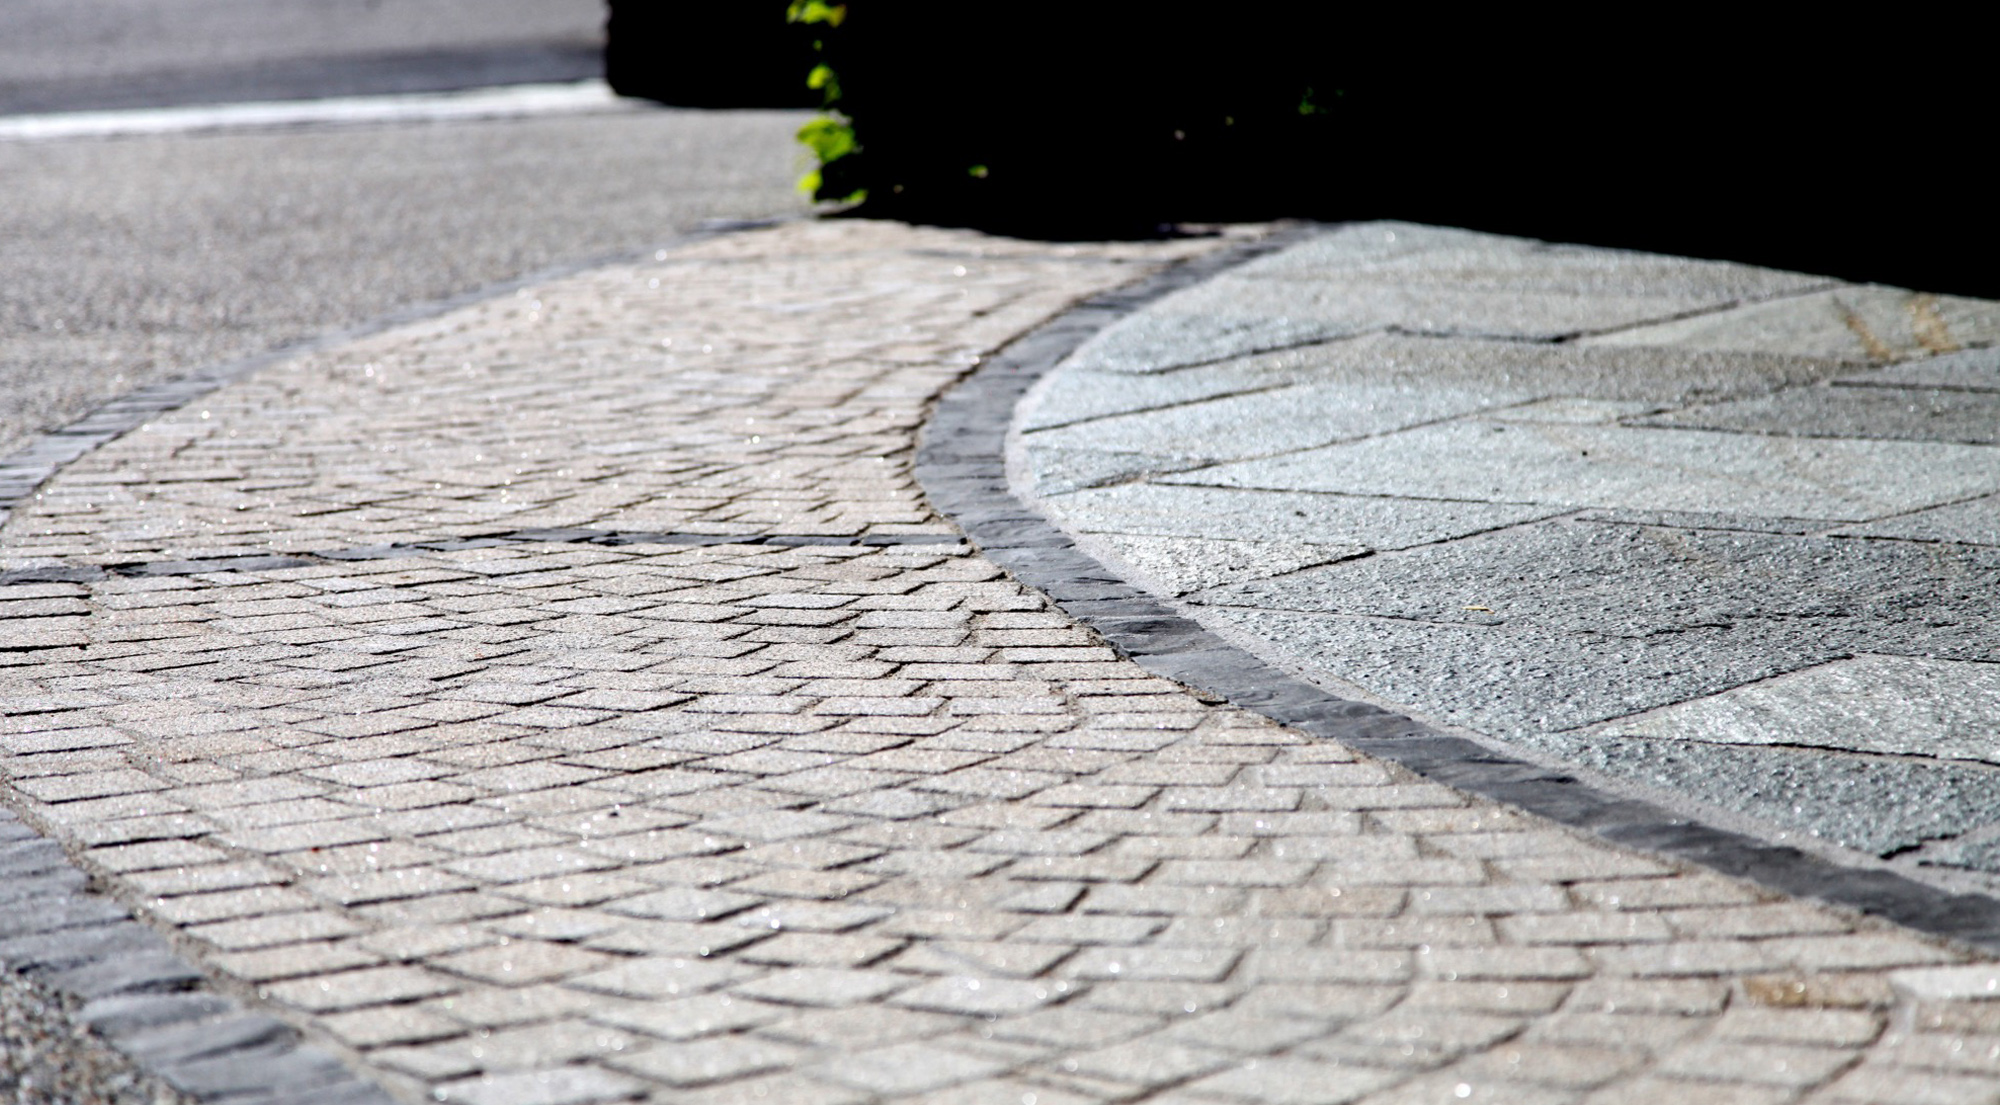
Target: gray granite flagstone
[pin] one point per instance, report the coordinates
(1638, 469)
(1422, 279)
(1184, 564)
(1976, 521)
(1710, 529)
(1868, 804)
(1882, 413)
(1281, 420)
(1864, 323)
(1224, 513)
(1970, 370)
(1908, 705)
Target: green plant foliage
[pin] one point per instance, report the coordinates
(831, 136)
(816, 11)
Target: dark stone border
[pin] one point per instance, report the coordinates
(141, 997)
(136, 992)
(961, 465)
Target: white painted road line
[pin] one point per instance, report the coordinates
(577, 98)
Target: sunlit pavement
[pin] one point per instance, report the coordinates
(573, 697)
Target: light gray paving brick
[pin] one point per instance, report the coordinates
(909, 1069)
(712, 1059)
(989, 997)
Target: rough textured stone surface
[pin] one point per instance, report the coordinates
(1879, 806)
(1901, 414)
(1576, 465)
(1423, 279)
(1865, 323)
(1683, 527)
(1891, 704)
(1183, 564)
(46, 1058)
(1970, 370)
(1222, 513)
(1973, 522)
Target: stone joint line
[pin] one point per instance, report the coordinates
(94, 572)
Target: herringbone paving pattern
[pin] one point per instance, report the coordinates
(566, 822)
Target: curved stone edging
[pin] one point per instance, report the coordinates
(961, 465)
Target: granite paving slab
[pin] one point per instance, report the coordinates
(1937, 708)
(1223, 513)
(1421, 279)
(1854, 323)
(1743, 540)
(1973, 522)
(1878, 412)
(1970, 370)
(1626, 467)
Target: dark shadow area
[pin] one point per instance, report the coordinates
(1828, 148)
(734, 53)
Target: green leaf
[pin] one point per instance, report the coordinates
(828, 138)
(816, 11)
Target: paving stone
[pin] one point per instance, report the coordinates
(1889, 704)
(1421, 279)
(1798, 790)
(565, 1086)
(1856, 324)
(985, 996)
(1276, 420)
(908, 1069)
(1284, 1081)
(716, 1059)
(1833, 479)
(1900, 414)
(1369, 618)
(823, 986)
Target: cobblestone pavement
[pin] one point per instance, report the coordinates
(786, 794)
(1724, 533)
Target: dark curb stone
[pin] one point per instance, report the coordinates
(961, 465)
(145, 1000)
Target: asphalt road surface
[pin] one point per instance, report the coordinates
(59, 55)
(128, 260)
